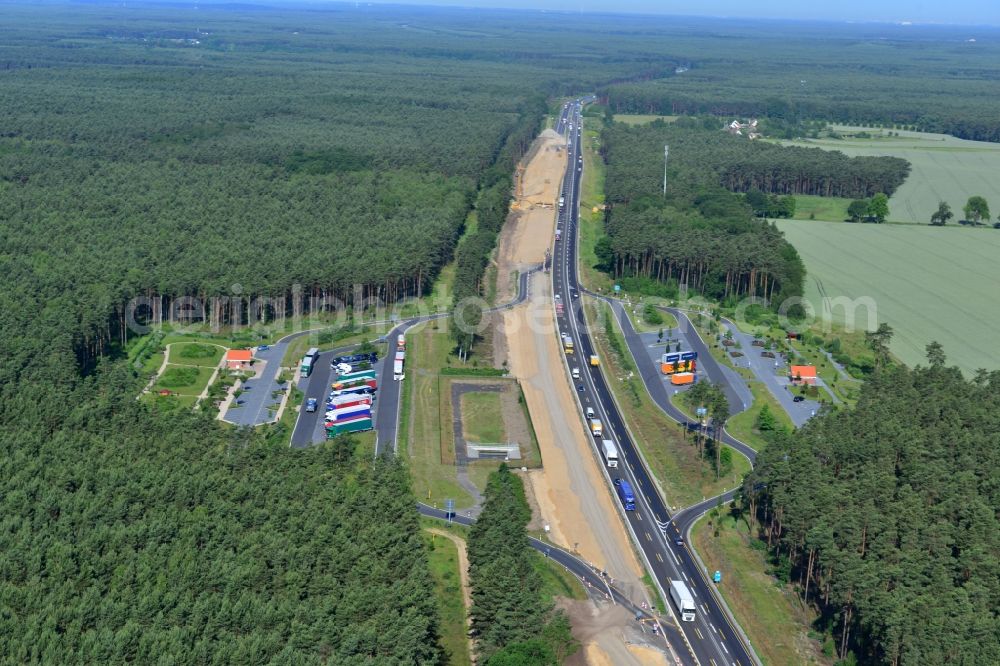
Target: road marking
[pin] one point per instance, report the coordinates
(697, 631)
(724, 648)
(722, 635)
(685, 575)
(712, 661)
(713, 627)
(677, 559)
(648, 538)
(659, 557)
(704, 610)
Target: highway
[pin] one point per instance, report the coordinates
(712, 637)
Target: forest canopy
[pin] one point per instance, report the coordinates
(886, 517)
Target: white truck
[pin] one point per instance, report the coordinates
(397, 365)
(683, 600)
(610, 453)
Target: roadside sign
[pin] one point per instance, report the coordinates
(717, 577)
(618, 288)
(701, 411)
(449, 508)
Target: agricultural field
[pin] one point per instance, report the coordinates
(641, 118)
(928, 283)
(943, 168)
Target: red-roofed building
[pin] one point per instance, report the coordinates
(802, 374)
(238, 359)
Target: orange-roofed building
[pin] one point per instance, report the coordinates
(238, 359)
(802, 374)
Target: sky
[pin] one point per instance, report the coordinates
(965, 12)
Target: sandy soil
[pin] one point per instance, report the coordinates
(569, 492)
(608, 637)
(528, 231)
(578, 516)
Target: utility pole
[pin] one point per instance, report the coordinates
(666, 153)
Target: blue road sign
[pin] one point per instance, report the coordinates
(618, 288)
(449, 508)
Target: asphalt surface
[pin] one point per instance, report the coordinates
(257, 404)
(764, 369)
(309, 428)
(711, 637)
(598, 585)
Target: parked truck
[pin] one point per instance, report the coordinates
(596, 428)
(397, 365)
(610, 453)
(359, 424)
(683, 600)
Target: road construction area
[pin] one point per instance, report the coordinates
(569, 492)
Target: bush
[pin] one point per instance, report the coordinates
(196, 350)
(178, 377)
(652, 315)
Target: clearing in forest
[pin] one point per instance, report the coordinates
(943, 168)
(928, 283)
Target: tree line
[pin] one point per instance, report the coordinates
(884, 516)
(932, 79)
(699, 235)
(512, 622)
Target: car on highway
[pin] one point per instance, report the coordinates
(579, 388)
(798, 398)
(263, 347)
(311, 405)
(679, 541)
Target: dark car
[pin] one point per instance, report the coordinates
(798, 398)
(579, 387)
(618, 482)
(311, 405)
(679, 541)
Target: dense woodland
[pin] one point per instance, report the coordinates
(168, 540)
(885, 516)
(163, 151)
(930, 78)
(699, 235)
(512, 622)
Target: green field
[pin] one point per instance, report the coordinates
(481, 419)
(943, 168)
(641, 118)
(928, 283)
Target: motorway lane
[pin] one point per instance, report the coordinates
(710, 636)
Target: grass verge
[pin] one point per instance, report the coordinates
(672, 458)
(481, 420)
(742, 426)
(442, 555)
(592, 209)
(770, 613)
